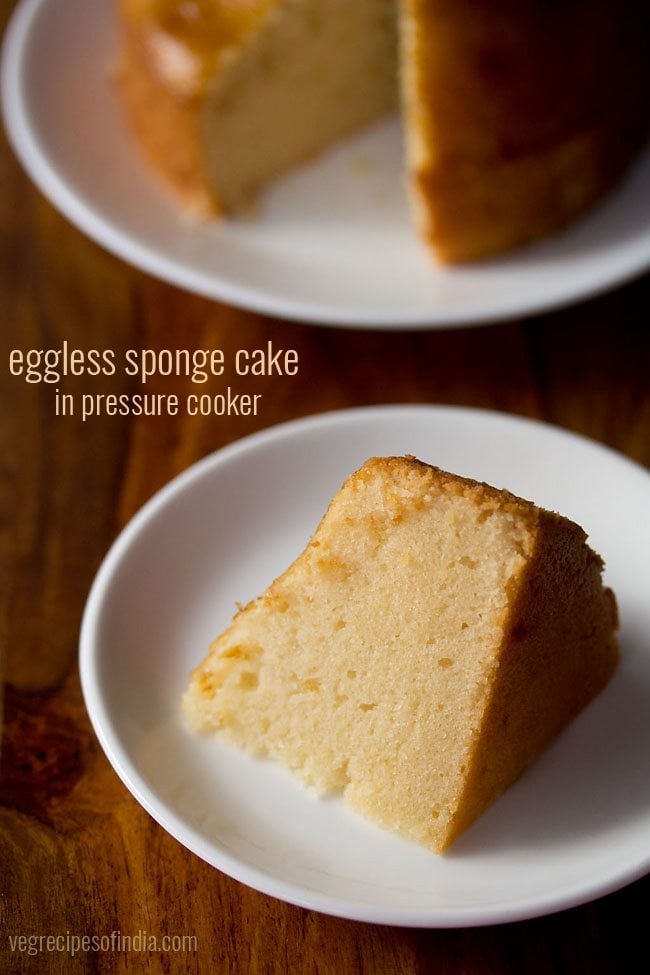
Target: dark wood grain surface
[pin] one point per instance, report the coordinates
(77, 853)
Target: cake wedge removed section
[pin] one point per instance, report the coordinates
(434, 636)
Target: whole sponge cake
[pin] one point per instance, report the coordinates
(518, 114)
(434, 636)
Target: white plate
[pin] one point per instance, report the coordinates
(332, 243)
(577, 825)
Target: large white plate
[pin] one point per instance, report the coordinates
(331, 243)
(575, 826)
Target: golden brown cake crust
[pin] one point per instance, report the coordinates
(401, 468)
(166, 124)
(528, 111)
(542, 681)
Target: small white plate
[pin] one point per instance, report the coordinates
(575, 826)
(331, 243)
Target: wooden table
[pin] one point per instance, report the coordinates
(77, 853)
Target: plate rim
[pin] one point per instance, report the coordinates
(209, 850)
(105, 232)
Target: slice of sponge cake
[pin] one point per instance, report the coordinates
(434, 636)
